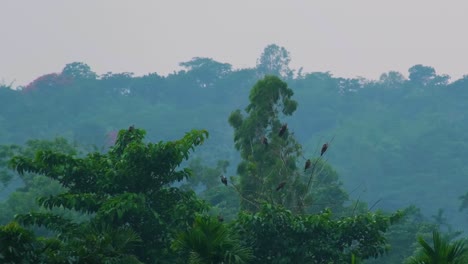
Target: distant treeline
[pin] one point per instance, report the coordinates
(397, 140)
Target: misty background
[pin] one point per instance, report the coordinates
(350, 39)
(386, 83)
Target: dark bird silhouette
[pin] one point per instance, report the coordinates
(224, 180)
(265, 141)
(280, 186)
(220, 218)
(283, 130)
(307, 164)
(324, 149)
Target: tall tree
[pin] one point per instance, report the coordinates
(270, 155)
(392, 79)
(206, 71)
(264, 167)
(274, 61)
(128, 188)
(79, 70)
(425, 75)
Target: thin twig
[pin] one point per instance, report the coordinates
(375, 204)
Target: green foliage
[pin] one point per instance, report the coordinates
(274, 61)
(442, 251)
(207, 176)
(210, 241)
(264, 166)
(385, 130)
(103, 244)
(326, 190)
(270, 158)
(78, 71)
(17, 245)
(354, 259)
(278, 236)
(391, 135)
(30, 186)
(224, 200)
(425, 76)
(206, 71)
(60, 145)
(89, 244)
(127, 191)
(402, 236)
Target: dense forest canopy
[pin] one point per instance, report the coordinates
(394, 142)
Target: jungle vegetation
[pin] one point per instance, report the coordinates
(212, 164)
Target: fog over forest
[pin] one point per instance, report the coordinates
(396, 143)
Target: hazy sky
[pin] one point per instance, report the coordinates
(349, 38)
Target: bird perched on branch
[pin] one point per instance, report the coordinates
(131, 128)
(324, 149)
(265, 141)
(307, 164)
(224, 180)
(283, 130)
(280, 186)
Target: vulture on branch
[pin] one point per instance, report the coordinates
(131, 128)
(224, 180)
(265, 141)
(307, 164)
(280, 186)
(324, 148)
(283, 130)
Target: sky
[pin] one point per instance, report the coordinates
(360, 38)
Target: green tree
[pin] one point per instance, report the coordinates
(425, 75)
(264, 164)
(442, 251)
(24, 189)
(207, 176)
(224, 201)
(128, 187)
(18, 245)
(206, 71)
(402, 236)
(274, 61)
(269, 170)
(59, 145)
(277, 235)
(79, 70)
(392, 80)
(326, 189)
(97, 244)
(211, 241)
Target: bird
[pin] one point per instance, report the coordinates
(307, 164)
(264, 141)
(280, 186)
(131, 128)
(283, 130)
(224, 180)
(324, 149)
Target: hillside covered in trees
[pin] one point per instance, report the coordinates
(394, 143)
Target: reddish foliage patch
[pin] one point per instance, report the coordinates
(47, 81)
